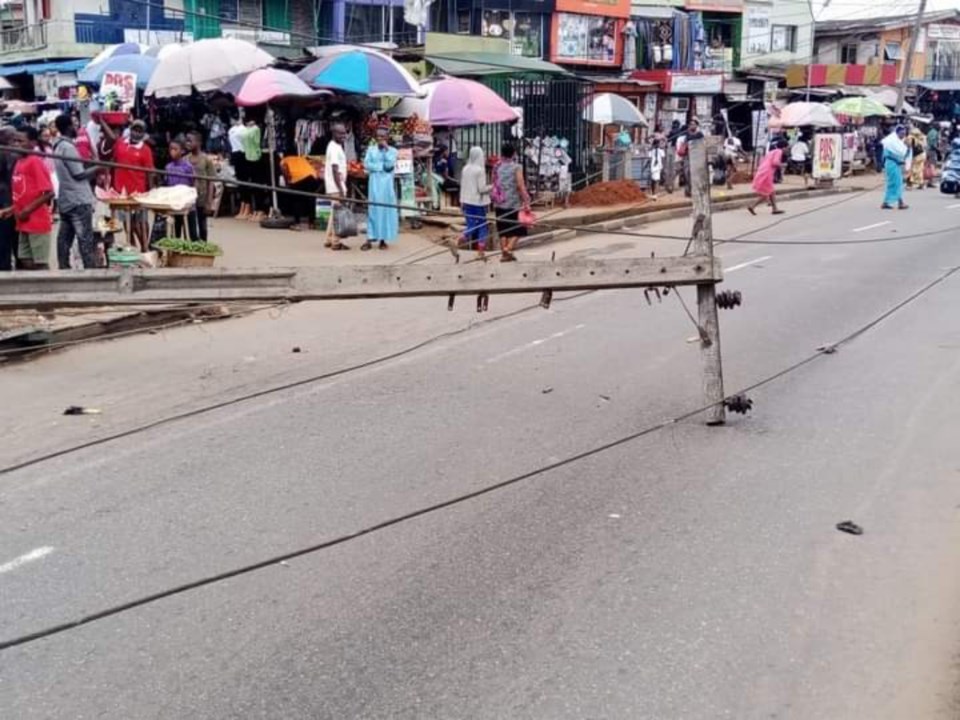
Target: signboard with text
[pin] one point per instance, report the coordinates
(121, 84)
(827, 156)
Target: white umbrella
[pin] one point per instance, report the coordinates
(205, 65)
(610, 109)
(802, 114)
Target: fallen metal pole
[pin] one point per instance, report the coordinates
(130, 286)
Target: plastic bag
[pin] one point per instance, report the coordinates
(527, 218)
(344, 222)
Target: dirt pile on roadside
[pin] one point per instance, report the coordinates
(614, 192)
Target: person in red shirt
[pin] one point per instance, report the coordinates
(136, 152)
(32, 190)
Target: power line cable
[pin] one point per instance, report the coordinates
(460, 499)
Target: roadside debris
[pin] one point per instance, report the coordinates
(296, 349)
(850, 527)
(546, 391)
(78, 410)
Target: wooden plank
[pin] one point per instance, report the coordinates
(706, 294)
(139, 287)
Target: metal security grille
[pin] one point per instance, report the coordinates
(551, 108)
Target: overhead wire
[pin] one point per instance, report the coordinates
(118, 609)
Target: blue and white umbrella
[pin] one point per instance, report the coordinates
(362, 71)
(117, 51)
(143, 66)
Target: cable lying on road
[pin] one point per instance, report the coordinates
(326, 544)
(271, 390)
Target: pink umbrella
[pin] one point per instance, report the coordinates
(267, 85)
(455, 102)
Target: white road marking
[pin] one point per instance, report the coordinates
(871, 227)
(534, 343)
(24, 559)
(953, 207)
(741, 266)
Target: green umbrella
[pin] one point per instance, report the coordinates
(860, 107)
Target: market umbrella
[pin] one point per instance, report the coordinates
(860, 107)
(454, 102)
(363, 71)
(141, 65)
(162, 51)
(267, 85)
(802, 114)
(204, 66)
(610, 109)
(130, 48)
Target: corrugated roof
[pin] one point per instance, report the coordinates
(940, 85)
(42, 67)
(464, 64)
(889, 22)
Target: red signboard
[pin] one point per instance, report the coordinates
(605, 8)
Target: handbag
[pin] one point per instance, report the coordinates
(527, 218)
(344, 222)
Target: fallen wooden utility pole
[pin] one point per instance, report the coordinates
(128, 286)
(706, 293)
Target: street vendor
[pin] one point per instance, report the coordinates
(135, 153)
(300, 174)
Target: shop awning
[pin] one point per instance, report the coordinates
(465, 64)
(43, 67)
(653, 12)
(941, 85)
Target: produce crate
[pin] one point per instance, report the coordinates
(182, 260)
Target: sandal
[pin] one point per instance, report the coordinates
(339, 246)
(366, 246)
(383, 244)
(752, 211)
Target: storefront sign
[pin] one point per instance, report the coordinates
(943, 32)
(733, 6)
(121, 84)
(704, 107)
(650, 107)
(757, 20)
(586, 40)
(705, 84)
(404, 161)
(603, 8)
(828, 156)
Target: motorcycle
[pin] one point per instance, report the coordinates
(950, 175)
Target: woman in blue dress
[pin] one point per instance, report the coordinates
(894, 155)
(383, 218)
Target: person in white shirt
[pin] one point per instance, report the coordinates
(658, 157)
(800, 157)
(335, 178)
(238, 160)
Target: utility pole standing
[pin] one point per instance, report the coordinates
(706, 293)
(908, 61)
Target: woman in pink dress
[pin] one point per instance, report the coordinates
(763, 179)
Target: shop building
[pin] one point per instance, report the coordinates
(885, 40)
(589, 33)
(526, 24)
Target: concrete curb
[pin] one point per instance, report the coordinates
(632, 221)
(33, 341)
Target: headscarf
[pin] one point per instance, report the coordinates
(894, 144)
(477, 158)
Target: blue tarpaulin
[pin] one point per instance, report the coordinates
(42, 67)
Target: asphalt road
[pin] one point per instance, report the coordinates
(692, 573)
